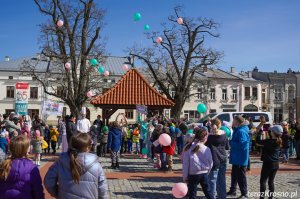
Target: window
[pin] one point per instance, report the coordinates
(10, 92)
(224, 94)
(113, 81)
(224, 117)
(10, 77)
(129, 113)
(263, 96)
(278, 94)
(8, 111)
(234, 94)
(254, 92)
(173, 91)
(105, 80)
(33, 112)
(193, 114)
(254, 116)
(34, 92)
(64, 113)
(291, 94)
(212, 93)
(60, 91)
(199, 93)
(247, 93)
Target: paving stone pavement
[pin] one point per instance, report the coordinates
(137, 178)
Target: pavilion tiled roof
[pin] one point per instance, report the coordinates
(130, 90)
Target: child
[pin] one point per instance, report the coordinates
(53, 138)
(136, 139)
(36, 143)
(157, 149)
(3, 147)
(114, 144)
(77, 173)
(129, 139)
(94, 135)
(285, 142)
(197, 163)
(19, 177)
(270, 158)
(169, 151)
(103, 141)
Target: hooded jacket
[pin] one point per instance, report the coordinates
(114, 139)
(92, 185)
(23, 182)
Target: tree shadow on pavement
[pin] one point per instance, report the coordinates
(149, 195)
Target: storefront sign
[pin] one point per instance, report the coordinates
(22, 96)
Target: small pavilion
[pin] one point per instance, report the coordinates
(131, 90)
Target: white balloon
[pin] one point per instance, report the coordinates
(180, 20)
(67, 65)
(159, 40)
(60, 23)
(125, 67)
(89, 94)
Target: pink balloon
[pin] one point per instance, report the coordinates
(179, 190)
(60, 23)
(67, 65)
(125, 67)
(106, 73)
(180, 20)
(159, 40)
(164, 139)
(89, 94)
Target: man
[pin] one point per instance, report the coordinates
(71, 127)
(297, 139)
(10, 126)
(99, 123)
(83, 125)
(239, 156)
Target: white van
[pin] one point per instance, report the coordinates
(229, 116)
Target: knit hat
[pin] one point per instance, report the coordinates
(277, 129)
(37, 133)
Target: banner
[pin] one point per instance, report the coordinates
(22, 95)
(52, 108)
(142, 109)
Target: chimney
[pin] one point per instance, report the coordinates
(249, 74)
(6, 58)
(232, 69)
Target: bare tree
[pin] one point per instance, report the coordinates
(175, 63)
(75, 42)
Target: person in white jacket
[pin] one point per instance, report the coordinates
(83, 125)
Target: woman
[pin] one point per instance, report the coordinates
(19, 177)
(197, 163)
(78, 173)
(218, 144)
(63, 132)
(38, 124)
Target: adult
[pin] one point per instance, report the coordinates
(71, 128)
(218, 144)
(297, 138)
(99, 123)
(62, 129)
(94, 133)
(83, 125)
(38, 124)
(114, 144)
(239, 156)
(78, 173)
(123, 125)
(10, 126)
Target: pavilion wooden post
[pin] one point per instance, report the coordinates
(106, 113)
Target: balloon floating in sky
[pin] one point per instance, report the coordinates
(179, 190)
(93, 62)
(164, 139)
(146, 27)
(101, 69)
(60, 23)
(159, 40)
(125, 67)
(201, 108)
(137, 16)
(89, 94)
(106, 73)
(180, 20)
(67, 65)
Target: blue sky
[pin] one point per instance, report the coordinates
(253, 32)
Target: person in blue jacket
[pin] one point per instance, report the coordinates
(114, 144)
(239, 156)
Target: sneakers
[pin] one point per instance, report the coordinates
(117, 165)
(113, 166)
(144, 156)
(231, 193)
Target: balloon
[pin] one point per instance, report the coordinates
(93, 62)
(105, 128)
(201, 108)
(179, 190)
(60, 23)
(137, 16)
(67, 65)
(106, 73)
(226, 130)
(101, 70)
(89, 94)
(158, 40)
(172, 129)
(180, 20)
(146, 27)
(125, 67)
(225, 123)
(164, 139)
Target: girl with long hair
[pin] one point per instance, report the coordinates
(77, 173)
(19, 177)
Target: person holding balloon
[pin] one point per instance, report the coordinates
(218, 143)
(169, 151)
(197, 163)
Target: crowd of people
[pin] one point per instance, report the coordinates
(204, 150)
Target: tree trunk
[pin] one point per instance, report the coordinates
(176, 109)
(75, 110)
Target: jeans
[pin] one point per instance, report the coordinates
(53, 146)
(163, 159)
(141, 145)
(285, 154)
(269, 174)
(129, 146)
(297, 147)
(238, 176)
(137, 147)
(217, 181)
(179, 142)
(193, 181)
(115, 157)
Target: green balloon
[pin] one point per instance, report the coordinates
(146, 27)
(105, 128)
(137, 16)
(226, 130)
(201, 108)
(93, 62)
(101, 69)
